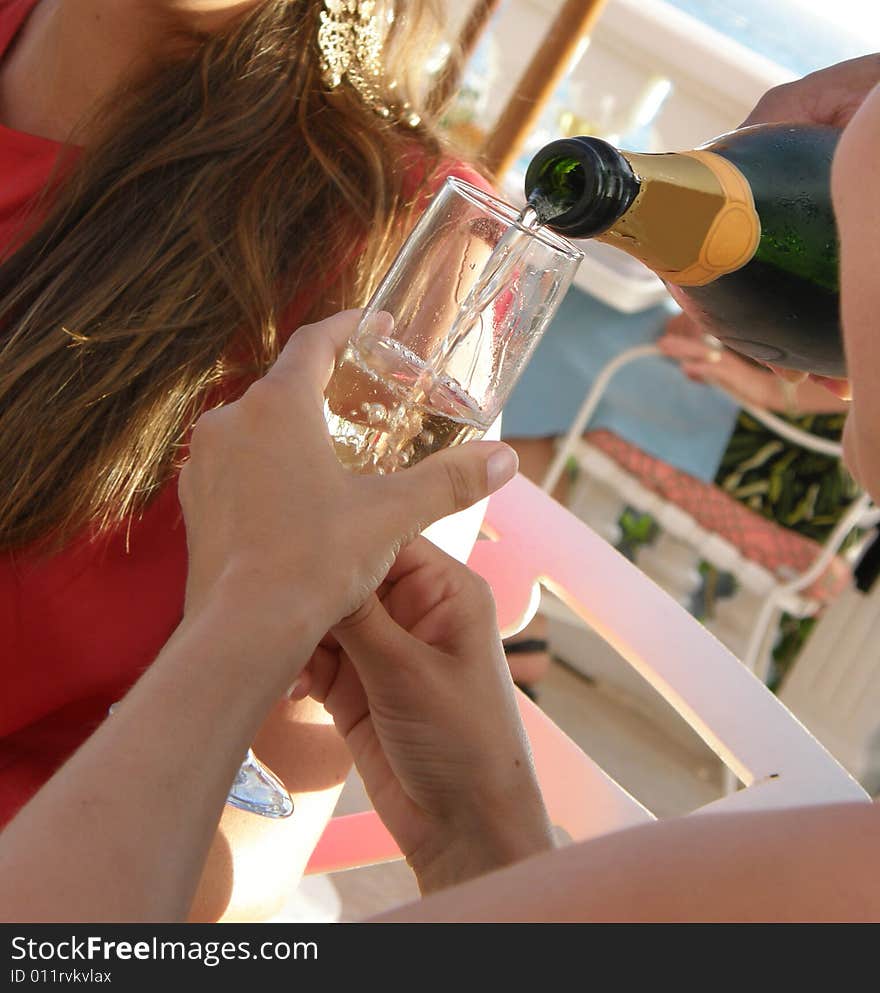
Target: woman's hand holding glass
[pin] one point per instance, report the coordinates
(275, 522)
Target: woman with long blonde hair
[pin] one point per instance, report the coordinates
(182, 183)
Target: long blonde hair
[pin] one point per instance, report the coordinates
(221, 188)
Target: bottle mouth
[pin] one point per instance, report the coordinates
(592, 182)
(569, 184)
(501, 215)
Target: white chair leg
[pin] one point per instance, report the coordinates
(762, 660)
(757, 656)
(734, 619)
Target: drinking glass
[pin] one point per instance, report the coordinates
(448, 331)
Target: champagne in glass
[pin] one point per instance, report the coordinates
(387, 410)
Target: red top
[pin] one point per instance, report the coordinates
(76, 629)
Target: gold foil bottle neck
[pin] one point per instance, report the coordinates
(693, 220)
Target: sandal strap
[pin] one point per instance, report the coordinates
(526, 646)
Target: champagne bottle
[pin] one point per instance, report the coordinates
(742, 229)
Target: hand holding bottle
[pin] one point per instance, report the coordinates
(829, 96)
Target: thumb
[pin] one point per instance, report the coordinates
(452, 480)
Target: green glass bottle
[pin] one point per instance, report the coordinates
(741, 229)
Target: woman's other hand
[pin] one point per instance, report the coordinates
(704, 359)
(417, 683)
(275, 520)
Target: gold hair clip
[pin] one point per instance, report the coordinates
(351, 35)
